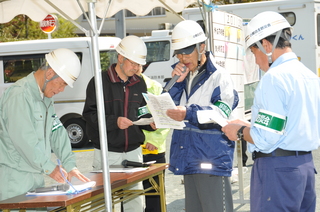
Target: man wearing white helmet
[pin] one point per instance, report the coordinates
(124, 103)
(30, 128)
(285, 121)
(201, 152)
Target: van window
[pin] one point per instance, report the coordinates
(158, 51)
(290, 16)
(18, 66)
(107, 58)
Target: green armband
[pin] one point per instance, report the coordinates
(224, 107)
(142, 111)
(270, 121)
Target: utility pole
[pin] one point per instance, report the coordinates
(120, 23)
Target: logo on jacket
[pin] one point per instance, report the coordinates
(56, 123)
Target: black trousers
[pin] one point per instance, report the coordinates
(244, 155)
(153, 202)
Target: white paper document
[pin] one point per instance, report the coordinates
(158, 106)
(125, 170)
(143, 121)
(79, 188)
(211, 116)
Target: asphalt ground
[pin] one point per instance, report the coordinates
(174, 184)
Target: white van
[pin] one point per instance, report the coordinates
(18, 59)
(160, 56)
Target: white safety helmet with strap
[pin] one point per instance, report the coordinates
(187, 33)
(263, 25)
(186, 36)
(65, 64)
(133, 48)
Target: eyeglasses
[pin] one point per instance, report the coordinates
(75, 191)
(133, 64)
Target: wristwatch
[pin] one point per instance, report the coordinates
(240, 133)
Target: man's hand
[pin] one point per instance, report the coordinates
(177, 114)
(124, 123)
(153, 125)
(231, 130)
(178, 70)
(150, 147)
(56, 175)
(76, 173)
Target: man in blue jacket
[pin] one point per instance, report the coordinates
(201, 152)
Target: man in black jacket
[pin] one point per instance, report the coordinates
(124, 103)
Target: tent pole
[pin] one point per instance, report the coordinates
(100, 106)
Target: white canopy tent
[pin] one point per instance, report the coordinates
(37, 10)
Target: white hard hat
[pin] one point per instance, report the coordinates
(263, 25)
(187, 33)
(133, 48)
(65, 63)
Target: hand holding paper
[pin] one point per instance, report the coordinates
(143, 121)
(158, 106)
(177, 114)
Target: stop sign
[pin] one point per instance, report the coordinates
(49, 24)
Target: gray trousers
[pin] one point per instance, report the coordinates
(207, 193)
(115, 158)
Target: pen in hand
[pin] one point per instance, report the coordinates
(64, 177)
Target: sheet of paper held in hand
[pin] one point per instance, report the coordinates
(143, 121)
(211, 116)
(158, 106)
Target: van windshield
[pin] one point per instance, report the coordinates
(19, 66)
(158, 51)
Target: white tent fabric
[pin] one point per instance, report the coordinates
(37, 10)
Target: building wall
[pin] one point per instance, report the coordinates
(139, 25)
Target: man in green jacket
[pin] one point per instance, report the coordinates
(30, 128)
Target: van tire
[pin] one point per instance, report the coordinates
(76, 129)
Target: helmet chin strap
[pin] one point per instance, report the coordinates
(46, 80)
(199, 53)
(275, 42)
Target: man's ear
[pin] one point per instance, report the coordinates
(50, 73)
(120, 58)
(202, 48)
(267, 45)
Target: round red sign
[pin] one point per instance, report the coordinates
(49, 24)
